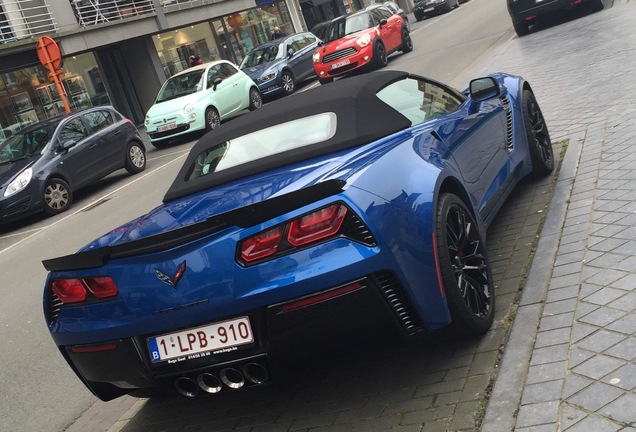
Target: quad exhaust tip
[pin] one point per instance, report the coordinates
(250, 374)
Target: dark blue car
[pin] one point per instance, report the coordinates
(359, 204)
(43, 164)
(277, 66)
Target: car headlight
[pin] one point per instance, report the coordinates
(364, 40)
(268, 76)
(316, 57)
(188, 108)
(19, 183)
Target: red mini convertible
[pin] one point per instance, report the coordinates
(361, 39)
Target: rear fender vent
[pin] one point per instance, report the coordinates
(53, 306)
(505, 102)
(401, 305)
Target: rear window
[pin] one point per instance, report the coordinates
(267, 142)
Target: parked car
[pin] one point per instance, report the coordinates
(396, 9)
(524, 13)
(277, 66)
(43, 164)
(197, 99)
(428, 8)
(285, 225)
(362, 39)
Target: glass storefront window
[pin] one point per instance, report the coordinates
(176, 46)
(230, 37)
(27, 95)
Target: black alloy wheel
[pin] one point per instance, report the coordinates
(379, 53)
(287, 80)
(58, 196)
(135, 158)
(255, 99)
(212, 119)
(464, 267)
(407, 43)
(539, 143)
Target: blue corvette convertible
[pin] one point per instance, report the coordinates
(370, 195)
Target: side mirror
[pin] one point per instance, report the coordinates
(290, 53)
(321, 43)
(68, 144)
(383, 21)
(216, 82)
(483, 88)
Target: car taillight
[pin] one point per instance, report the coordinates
(101, 287)
(69, 290)
(317, 225)
(76, 290)
(305, 230)
(261, 245)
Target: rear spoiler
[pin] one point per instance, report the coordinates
(243, 217)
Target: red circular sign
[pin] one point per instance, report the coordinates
(49, 53)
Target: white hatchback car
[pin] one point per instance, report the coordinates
(198, 98)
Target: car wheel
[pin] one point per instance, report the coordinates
(447, 6)
(464, 268)
(212, 119)
(407, 43)
(379, 53)
(324, 81)
(418, 19)
(289, 85)
(58, 196)
(539, 143)
(135, 158)
(255, 99)
(521, 28)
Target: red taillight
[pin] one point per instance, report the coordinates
(69, 290)
(76, 290)
(102, 287)
(261, 245)
(317, 225)
(320, 297)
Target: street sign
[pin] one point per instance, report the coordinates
(49, 53)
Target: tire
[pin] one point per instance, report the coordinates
(539, 143)
(447, 7)
(288, 83)
(464, 267)
(418, 19)
(379, 55)
(521, 28)
(324, 81)
(407, 43)
(212, 119)
(256, 101)
(135, 158)
(58, 196)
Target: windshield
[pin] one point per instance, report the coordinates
(262, 55)
(181, 85)
(266, 142)
(357, 22)
(26, 143)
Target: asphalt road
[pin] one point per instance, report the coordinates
(40, 392)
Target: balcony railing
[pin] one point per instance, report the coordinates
(25, 19)
(91, 12)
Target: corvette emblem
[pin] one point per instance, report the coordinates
(172, 281)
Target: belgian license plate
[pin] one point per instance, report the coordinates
(167, 127)
(200, 341)
(428, 9)
(340, 64)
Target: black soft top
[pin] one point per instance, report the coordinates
(361, 118)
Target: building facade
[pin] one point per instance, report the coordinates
(119, 52)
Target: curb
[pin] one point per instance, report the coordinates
(505, 398)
